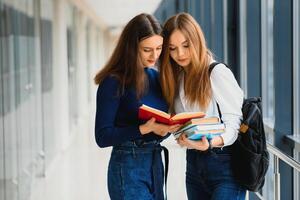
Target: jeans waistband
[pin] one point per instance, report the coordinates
(219, 150)
(140, 144)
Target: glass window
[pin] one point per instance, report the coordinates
(8, 74)
(217, 30)
(29, 110)
(253, 29)
(283, 86)
(46, 44)
(21, 93)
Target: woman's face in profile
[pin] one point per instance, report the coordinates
(179, 48)
(150, 49)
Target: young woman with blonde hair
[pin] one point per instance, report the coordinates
(188, 85)
(126, 82)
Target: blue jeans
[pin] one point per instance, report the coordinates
(136, 172)
(209, 176)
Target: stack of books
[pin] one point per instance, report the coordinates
(195, 129)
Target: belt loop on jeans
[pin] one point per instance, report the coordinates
(133, 152)
(138, 143)
(166, 155)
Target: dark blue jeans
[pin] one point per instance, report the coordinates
(136, 172)
(209, 176)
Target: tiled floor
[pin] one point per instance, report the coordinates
(80, 172)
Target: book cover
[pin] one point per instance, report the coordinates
(205, 120)
(201, 129)
(197, 135)
(209, 136)
(209, 127)
(199, 121)
(147, 112)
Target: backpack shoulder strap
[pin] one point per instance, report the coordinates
(212, 66)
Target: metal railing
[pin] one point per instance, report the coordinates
(278, 155)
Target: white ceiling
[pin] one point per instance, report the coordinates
(116, 13)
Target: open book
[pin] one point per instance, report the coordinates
(147, 112)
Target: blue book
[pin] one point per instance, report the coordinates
(202, 130)
(198, 136)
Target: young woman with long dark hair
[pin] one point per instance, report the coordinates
(125, 83)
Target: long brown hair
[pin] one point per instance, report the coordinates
(125, 63)
(197, 85)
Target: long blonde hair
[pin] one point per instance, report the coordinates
(197, 85)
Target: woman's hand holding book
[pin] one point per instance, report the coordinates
(157, 128)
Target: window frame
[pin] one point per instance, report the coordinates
(225, 33)
(296, 89)
(243, 45)
(266, 64)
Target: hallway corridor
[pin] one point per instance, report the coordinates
(50, 51)
(79, 173)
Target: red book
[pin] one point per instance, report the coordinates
(147, 112)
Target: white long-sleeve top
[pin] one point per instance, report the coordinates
(227, 93)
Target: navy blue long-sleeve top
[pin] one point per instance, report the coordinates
(117, 115)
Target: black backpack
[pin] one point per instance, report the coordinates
(250, 157)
